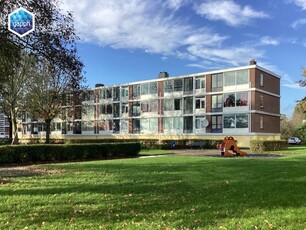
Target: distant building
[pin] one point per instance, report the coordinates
(4, 126)
(243, 102)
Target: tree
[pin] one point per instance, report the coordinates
(47, 90)
(13, 91)
(53, 40)
(303, 82)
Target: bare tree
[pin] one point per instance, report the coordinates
(13, 91)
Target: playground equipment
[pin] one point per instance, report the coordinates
(228, 146)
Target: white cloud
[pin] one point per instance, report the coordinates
(288, 82)
(230, 56)
(298, 23)
(137, 24)
(228, 11)
(266, 40)
(300, 3)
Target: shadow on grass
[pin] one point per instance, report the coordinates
(176, 190)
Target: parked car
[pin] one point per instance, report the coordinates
(294, 140)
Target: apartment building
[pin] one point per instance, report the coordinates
(243, 102)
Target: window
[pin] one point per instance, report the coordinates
(261, 123)
(109, 109)
(229, 121)
(242, 121)
(125, 92)
(217, 82)
(136, 91)
(168, 123)
(200, 83)
(124, 108)
(188, 105)
(116, 126)
(242, 77)
(173, 123)
(178, 85)
(116, 110)
(168, 104)
(216, 124)
(168, 86)
(116, 94)
(200, 123)
(242, 99)
(229, 78)
(144, 89)
(148, 124)
(153, 106)
(136, 108)
(144, 106)
(136, 125)
(261, 101)
(217, 101)
(108, 93)
(229, 100)
(124, 125)
(177, 104)
(188, 124)
(261, 79)
(188, 85)
(200, 103)
(153, 88)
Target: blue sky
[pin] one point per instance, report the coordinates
(132, 40)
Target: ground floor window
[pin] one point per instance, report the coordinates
(216, 124)
(236, 121)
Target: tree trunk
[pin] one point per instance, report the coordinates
(48, 131)
(15, 139)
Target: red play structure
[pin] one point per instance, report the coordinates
(228, 146)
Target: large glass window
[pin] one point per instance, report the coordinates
(144, 106)
(136, 125)
(217, 101)
(242, 77)
(125, 92)
(229, 78)
(136, 91)
(200, 123)
(229, 121)
(242, 99)
(153, 106)
(238, 121)
(229, 100)
(217, 81)
(124, 125)
(168, 86)
(188, 85)
(108, 93)
(188, 124)
(188, 105)
(168, 123)
(153, 88)
(116, 110)
(116, 94)
(144, 89)
(178, 85)
(242, 121)
(177, 104)
(124, 108)
(168, 104)
(116, 126)
(216, 124)
(177, 123)
(136, 108)
(149, 124)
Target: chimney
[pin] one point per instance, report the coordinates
(98, 85)
(163, 75)
(253, 62)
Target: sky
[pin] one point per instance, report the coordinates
(125, 41)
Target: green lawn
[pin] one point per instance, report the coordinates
(168, 192)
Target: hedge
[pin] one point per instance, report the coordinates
(55, 153)
(260, 146)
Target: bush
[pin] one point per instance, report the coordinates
(259, 146)
(54, 153)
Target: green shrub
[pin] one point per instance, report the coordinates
(54, 153)
(260, 146)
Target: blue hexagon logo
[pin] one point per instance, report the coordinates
(21, 22)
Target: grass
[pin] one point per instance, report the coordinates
(292, 150)
(153, 152)
(160, 193)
